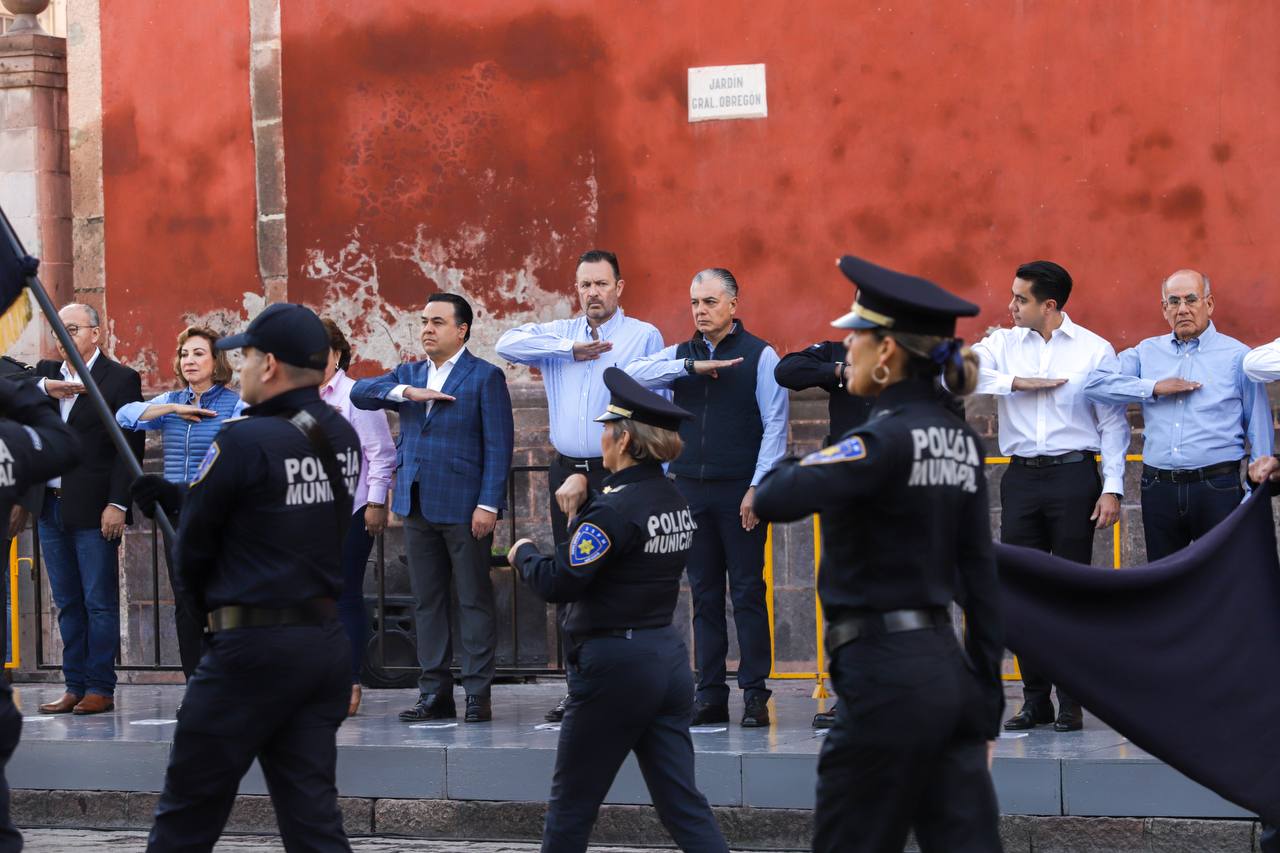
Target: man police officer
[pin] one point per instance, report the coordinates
(259, 545)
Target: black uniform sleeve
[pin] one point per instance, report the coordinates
(814, 367)
(855, 467)
(979, 596)
(121, 471)
(231, 462)
(598, 535)
(55, 447)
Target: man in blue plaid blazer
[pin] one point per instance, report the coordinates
(452, 459)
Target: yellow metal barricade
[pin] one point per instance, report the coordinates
(1012, 673)
(15, 648)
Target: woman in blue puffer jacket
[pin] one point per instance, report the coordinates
(189, 419)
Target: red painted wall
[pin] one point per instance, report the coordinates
(178, 174)
(481, 146)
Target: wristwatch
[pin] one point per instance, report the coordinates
(375, 505)
(688, 366)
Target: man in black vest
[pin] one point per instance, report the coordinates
(724, 376)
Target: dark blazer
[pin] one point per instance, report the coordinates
(102, 477)
(459, 453)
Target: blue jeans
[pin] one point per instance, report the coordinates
(1176, 514)
(83, 577)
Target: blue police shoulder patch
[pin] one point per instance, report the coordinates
(849, 450)
(210, 456)
(589, 544)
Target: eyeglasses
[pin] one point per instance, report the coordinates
(72, 330)
(1175, 301)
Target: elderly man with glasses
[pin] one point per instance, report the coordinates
(1199, 409)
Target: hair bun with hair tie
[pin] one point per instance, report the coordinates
(948, 350)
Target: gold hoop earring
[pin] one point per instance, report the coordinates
(879, 377)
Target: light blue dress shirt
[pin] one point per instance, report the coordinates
(1197, 428)
(661, 369)
(575, 389)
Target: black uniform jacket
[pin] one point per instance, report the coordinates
(35, 445)
(905, 521)
(260, 525)
(102, 477)
(626, 552)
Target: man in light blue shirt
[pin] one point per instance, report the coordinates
(724, 376)
(1198, 407)
(573, 356)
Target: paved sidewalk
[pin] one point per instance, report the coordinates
(93, 841)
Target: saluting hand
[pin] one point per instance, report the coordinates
(62, 390)
(1174, 385)
(1021, 383)
(426, 395)
(708, 367)
(590, 350)
(195, 414)
(572, 494)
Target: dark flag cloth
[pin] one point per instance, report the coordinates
(16, 266)
(1179, 656)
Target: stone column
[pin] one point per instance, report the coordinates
(35, 160)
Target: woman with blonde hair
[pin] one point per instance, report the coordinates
(188, 419)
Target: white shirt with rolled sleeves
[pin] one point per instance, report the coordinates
(1059, 420)
(436, 377)
(1263, 363)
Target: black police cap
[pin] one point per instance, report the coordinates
(900, 303)
(629, 399)
(292, 333)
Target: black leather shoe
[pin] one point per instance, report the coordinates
(1029, 718)
(478, 710)
(556, 714)
(756, 713)
(1069, 721)
(825, 719)
(705, 714)
(430, 707)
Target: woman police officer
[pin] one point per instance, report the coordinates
(630, 687)
(905, 531)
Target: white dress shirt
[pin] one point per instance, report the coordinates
(436, 377)
(1059, 420)
(65, 403)
(1263, 364)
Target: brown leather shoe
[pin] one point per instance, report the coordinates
(62, 706)
(94, 704)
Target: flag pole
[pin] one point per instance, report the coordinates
(91, 388)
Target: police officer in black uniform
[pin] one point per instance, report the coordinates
(258, 546)
(906, 529)
(630, 687)
(35, 445)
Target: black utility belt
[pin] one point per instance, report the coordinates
(623, 633)
(588, 464)
(316, 611)
(1191, 475)
(890, 622)
(1048, 461)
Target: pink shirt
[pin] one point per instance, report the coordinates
(375, 440)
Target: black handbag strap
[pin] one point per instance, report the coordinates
(320, 446)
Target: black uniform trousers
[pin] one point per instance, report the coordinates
(628, 695)
(1176, 514)
(1048, 509)
(187, 616)
(721, 547)
(10, 734)
(907, 750)
(557, 472)
(275, 694)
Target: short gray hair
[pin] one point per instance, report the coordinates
(88, 309)
(1164, 285)
(722, 275)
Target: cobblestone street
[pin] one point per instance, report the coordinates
(89, 841)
